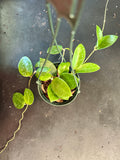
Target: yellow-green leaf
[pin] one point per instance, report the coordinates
(48, 64)
(45, 69)
(18, 100)
(52, 96)
(69, 79)
(63, 67)
(45, 76)
(99, 35)
(88, 68)
(107, 41)
(28, 96)
(61, 88)
(25, 67)
(79, 56)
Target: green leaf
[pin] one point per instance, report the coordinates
(63, 67)
(61, 89)
(69, 79)
(45, 69)
(28, 96)
(25, 67)
(88, 68)
(51, 94)
(107, 41)
(79, 56)
(48, 64)
(18, 100)
(54, 49)
(37, 64)
(45, 76)
(99, 35)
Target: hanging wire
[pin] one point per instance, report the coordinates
(73, 8)
(52, 28)
(54, 37)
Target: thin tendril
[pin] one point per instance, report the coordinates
(19, 123)
(14, 134)
(105, 13)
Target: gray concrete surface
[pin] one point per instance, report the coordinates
(87, 129)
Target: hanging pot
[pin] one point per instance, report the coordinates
(65, 102)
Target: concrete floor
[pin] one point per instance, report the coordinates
(87, 129)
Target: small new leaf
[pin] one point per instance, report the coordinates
(61, 88)
(52, 96)
(28, 96)
(18, 100)
(88, 68)
(107, 41)
(55, 50)
(79, 56)
(63, 67)
(25, 67)
(99, 35)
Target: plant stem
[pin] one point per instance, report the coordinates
(55, 35)
(105, 13)
(52, 28)
(73, 8)
(63, 55)
(29, 82)
(14, 134)
(90, 54)
(71, 44)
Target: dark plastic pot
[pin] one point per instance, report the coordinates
(65, 102)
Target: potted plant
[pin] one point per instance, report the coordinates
(59, 83)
